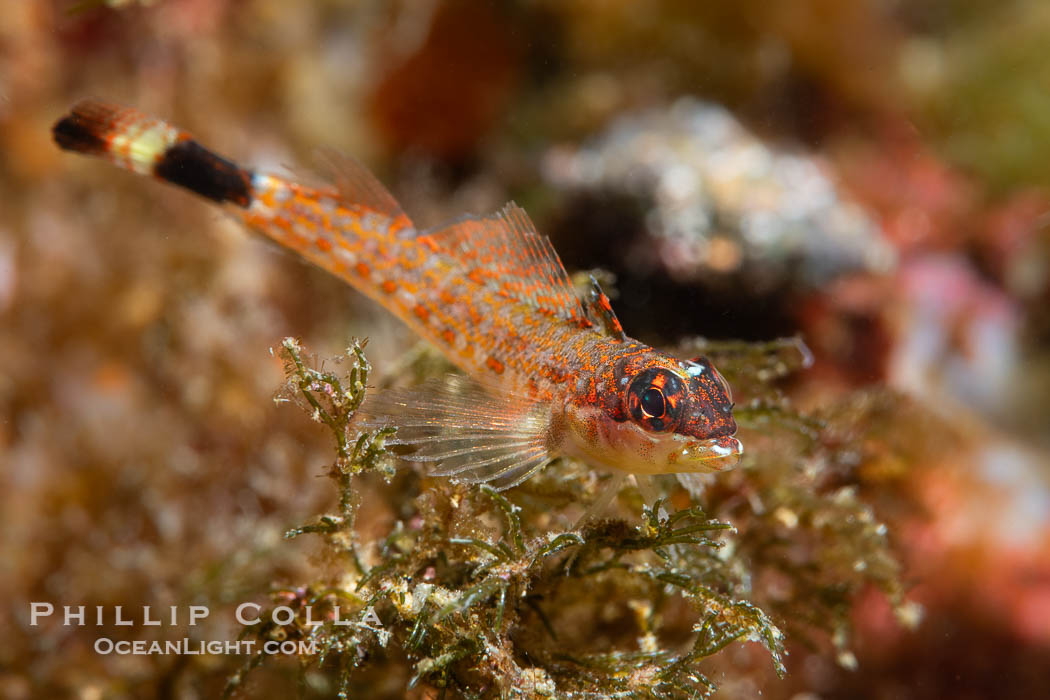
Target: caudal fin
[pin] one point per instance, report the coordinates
(150, 146)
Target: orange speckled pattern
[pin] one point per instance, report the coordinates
(488, 291)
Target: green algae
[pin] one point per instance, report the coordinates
(483, 594)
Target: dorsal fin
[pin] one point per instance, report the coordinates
(600, 312)
(357, 185)
(505, 251)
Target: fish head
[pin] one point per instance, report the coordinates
(658, 415)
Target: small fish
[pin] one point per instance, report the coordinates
(548, 373)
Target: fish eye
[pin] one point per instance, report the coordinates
(655, 398)
(653, 402)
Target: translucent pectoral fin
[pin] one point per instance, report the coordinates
(465, 431)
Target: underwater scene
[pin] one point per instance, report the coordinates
(524, 349)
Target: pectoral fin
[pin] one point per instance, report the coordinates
(466, 431)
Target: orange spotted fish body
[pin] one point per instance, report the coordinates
(550, 374)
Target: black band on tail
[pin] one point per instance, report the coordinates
(194, 167)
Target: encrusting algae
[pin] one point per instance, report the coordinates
(482, 594)
(471, 588)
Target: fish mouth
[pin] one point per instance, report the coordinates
(712, 455)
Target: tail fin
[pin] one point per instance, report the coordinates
(149, 146)
(355, 230)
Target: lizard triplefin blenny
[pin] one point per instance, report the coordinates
(548, 373)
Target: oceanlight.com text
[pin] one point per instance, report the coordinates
(105, 646)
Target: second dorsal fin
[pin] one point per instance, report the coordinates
(505, 251)
(357, 186)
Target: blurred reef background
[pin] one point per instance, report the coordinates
(870, 177)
